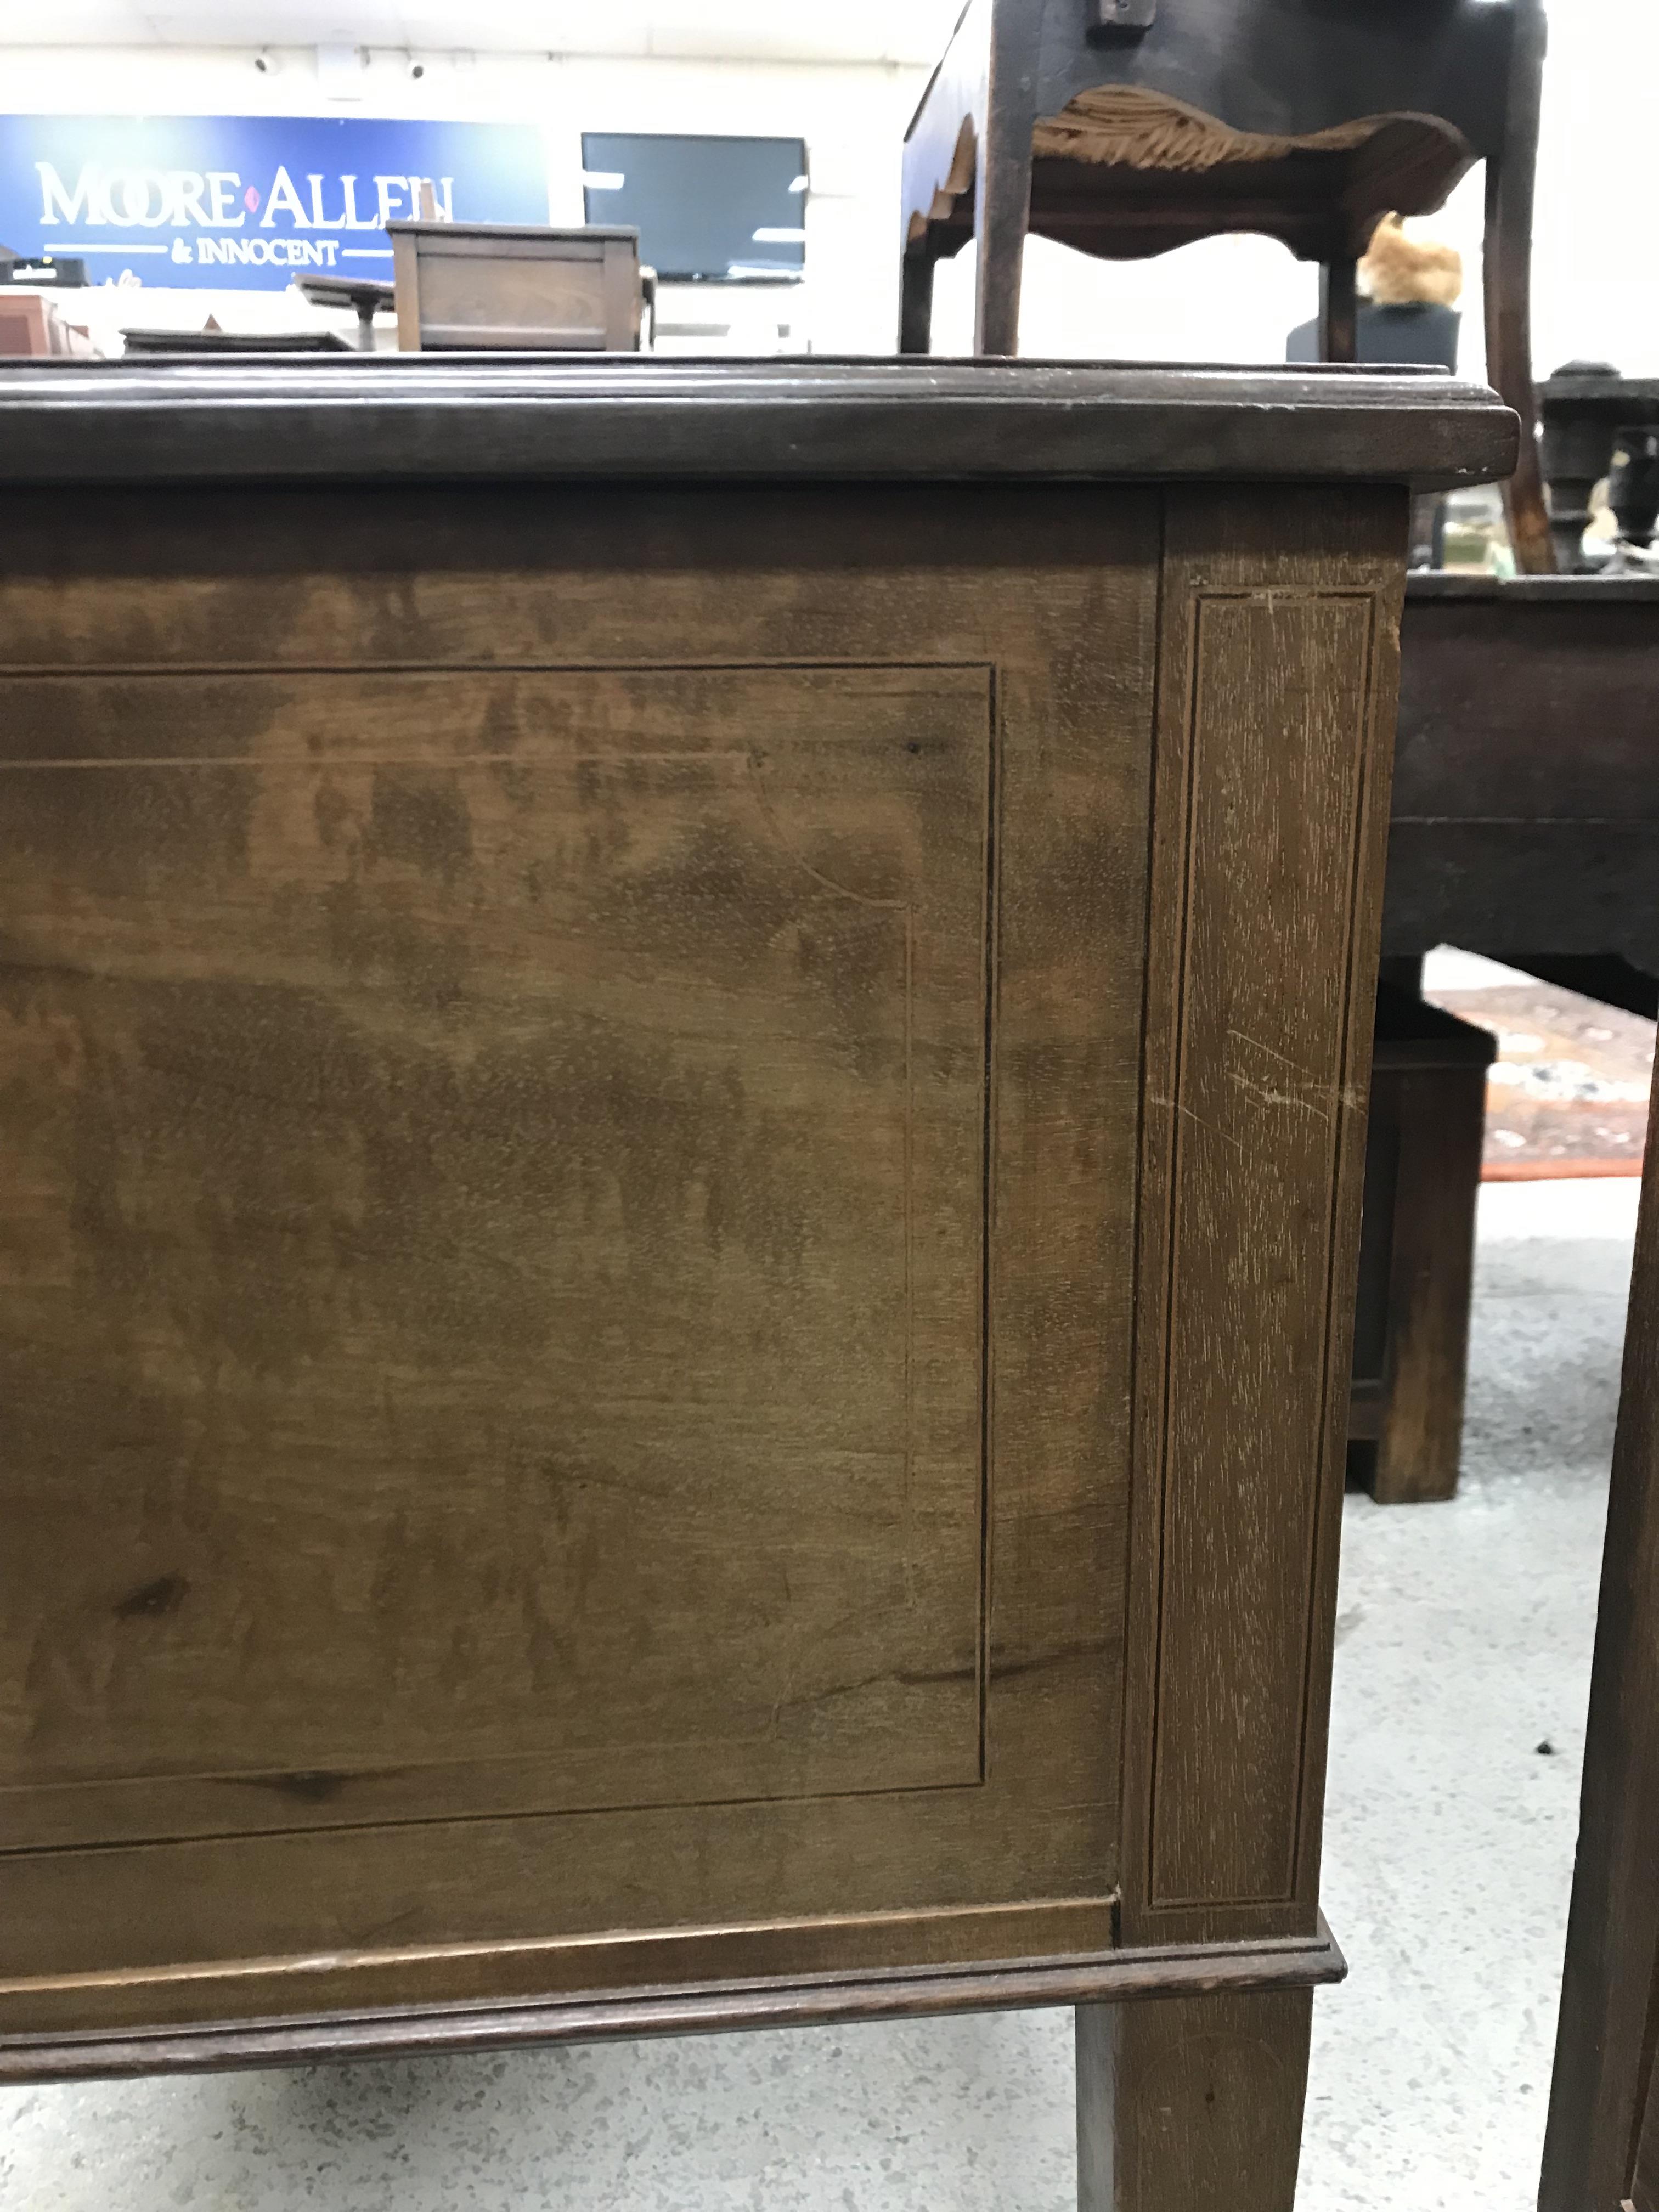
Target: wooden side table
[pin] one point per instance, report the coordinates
(1524, 819)
(683, 1054)
(1417, 1246)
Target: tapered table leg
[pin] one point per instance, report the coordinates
(1191, 2104)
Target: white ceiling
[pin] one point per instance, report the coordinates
(801, 30)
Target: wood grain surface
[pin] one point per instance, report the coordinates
(1428, 1106)
(1600, 2145)
(1279, 653)
(678, 1186)
(1112, 1978)
(1644, 2185)
(460, 1169)
(1526, 813)
(569, 1099)
(1193, 2105)
(339, 418)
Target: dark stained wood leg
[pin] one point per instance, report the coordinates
(1339, 310)
(1510, 180)
(1604, 976)
(1371, 1318)
(916, 301)
(1523, 494)
(1428, 538)
(1440, 1124)
(1000, 249)
(1403, 971)
(1192, 2104)
(1601, 2144)
(1096, 2087)
(1644, 2188)
(996, 323)
(1002, 192)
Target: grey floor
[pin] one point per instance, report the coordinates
(1463, 1646)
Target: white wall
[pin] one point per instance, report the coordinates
(1596, 287)
(852, 116)
(1595, 283)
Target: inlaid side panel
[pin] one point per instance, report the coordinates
(1267, 885)
(571, 1112)
(490, 1172)
(1279, 710)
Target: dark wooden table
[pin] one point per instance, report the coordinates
(1525, 826)
(680, 1103)
(1526, 790)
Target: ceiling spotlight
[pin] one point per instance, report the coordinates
(266, 63)
(416, 69)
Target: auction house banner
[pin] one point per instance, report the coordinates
(250, 201)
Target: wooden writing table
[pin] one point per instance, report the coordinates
(681, 1069)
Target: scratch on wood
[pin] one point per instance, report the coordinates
(1284, 1060)
(1172, 1105)
(1267, 1098)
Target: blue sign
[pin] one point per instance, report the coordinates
(250, 202)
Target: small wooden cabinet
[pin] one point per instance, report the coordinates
(682, 1057)
(470, 286)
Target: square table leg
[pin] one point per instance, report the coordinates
(1191, 2104)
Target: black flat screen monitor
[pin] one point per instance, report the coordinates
(709, 210)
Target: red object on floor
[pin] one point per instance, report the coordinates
(1568, 1095)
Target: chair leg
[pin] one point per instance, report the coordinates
(1191, 2104)
(1000, 242)
(1002, 186)
(916, 301)
(1441, 1125)
(1511, 178)
(1339, 310)
(996, 311)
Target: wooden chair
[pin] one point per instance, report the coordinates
(1128, 127)
(1602, 2145)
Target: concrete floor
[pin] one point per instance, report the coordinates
(1464, 1645)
